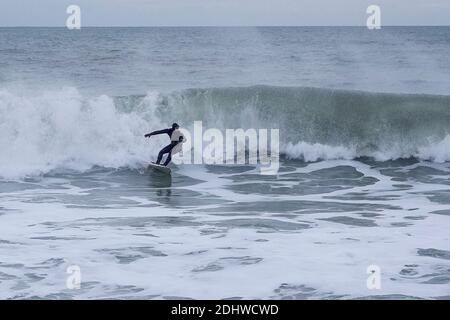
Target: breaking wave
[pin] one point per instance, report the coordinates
(64, 129)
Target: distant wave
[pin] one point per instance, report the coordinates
(64, 129)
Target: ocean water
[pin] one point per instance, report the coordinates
(364, 119)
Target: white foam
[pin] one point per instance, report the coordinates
(63, 129)
(314, 152)
(436, 152)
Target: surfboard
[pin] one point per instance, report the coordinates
(159, 168)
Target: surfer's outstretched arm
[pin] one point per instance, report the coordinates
(167, 131)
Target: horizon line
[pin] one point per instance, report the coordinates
(223, 26)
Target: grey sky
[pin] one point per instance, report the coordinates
(223, 12)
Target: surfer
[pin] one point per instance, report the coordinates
(176, 138)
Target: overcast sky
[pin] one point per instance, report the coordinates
(223, 12)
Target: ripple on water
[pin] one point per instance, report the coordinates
(435, 253)
(130, 254)
(224, 262)
(352, 221)
(265, 225)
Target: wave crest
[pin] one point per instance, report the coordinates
(64, 129)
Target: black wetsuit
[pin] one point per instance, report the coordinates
(166, 149)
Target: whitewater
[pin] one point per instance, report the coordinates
(65, 130)
(364, 123)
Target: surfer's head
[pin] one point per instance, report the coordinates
(175, 125)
